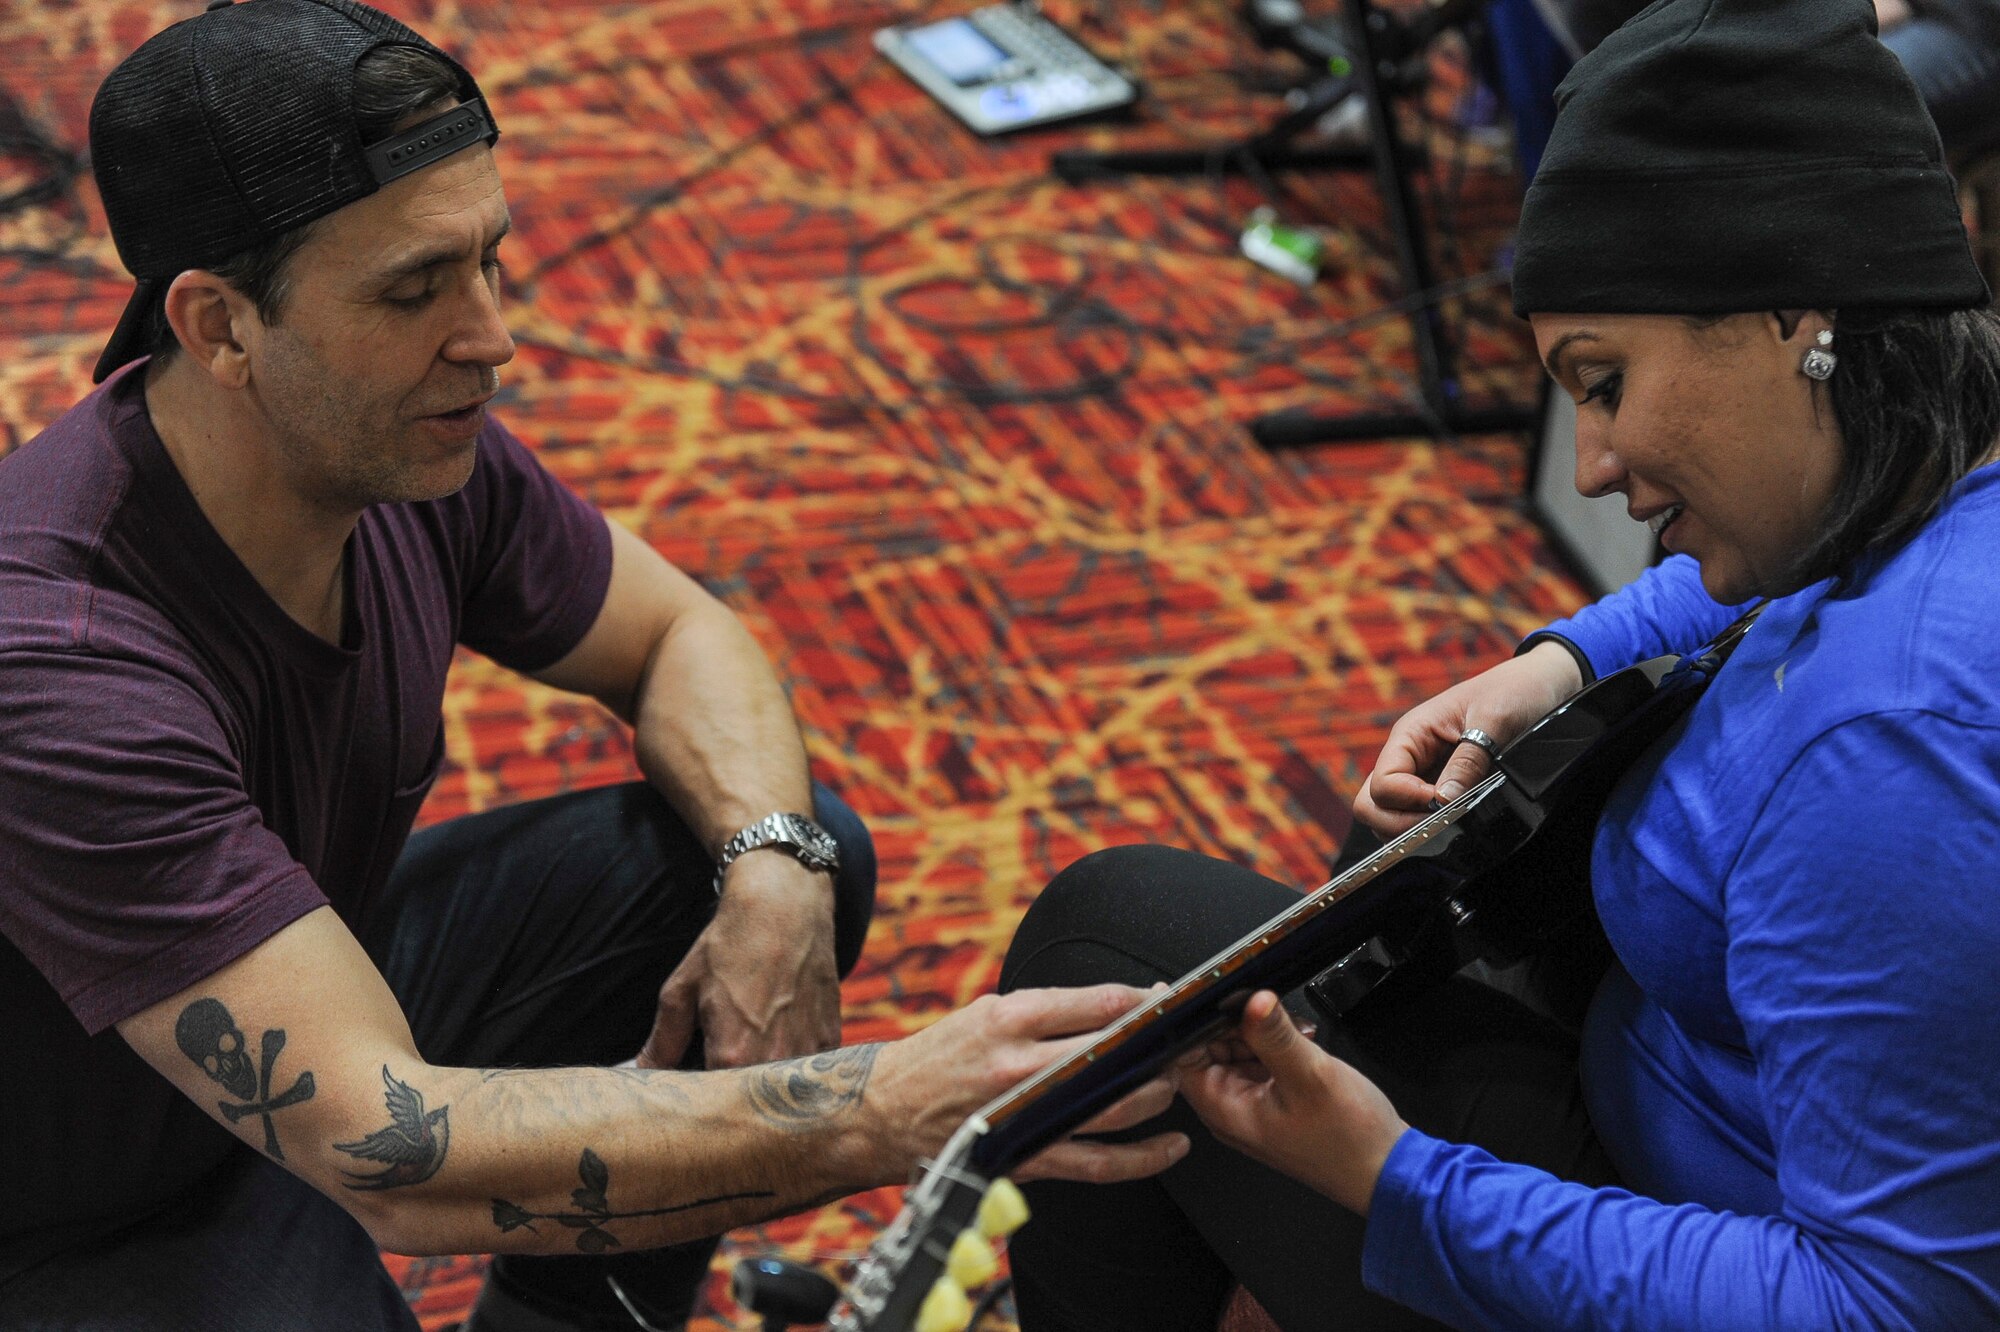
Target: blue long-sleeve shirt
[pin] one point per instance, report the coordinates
(1797, 1069)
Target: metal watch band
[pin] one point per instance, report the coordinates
(807, 842)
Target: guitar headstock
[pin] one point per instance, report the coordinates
(917, 1276)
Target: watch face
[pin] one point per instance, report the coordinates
(812, 839)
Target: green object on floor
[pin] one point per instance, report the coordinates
(1288, 251)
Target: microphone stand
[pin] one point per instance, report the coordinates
(1384, 45)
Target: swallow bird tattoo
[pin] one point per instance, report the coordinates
(412, 1147)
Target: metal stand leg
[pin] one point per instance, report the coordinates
(1271, 150)
(1373, 73)
(1442, 412)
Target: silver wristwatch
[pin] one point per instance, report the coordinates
(805, 840)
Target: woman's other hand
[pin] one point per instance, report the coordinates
(1270, 1093)
(1423, 760)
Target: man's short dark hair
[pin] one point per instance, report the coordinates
(391, 85)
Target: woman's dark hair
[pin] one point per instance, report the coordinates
(1917, 397)
(391, 84)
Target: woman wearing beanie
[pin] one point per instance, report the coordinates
(1743, 259)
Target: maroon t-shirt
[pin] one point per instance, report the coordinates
(185, 769)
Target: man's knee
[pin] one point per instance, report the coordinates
(854, 884)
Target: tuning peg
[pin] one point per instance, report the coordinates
(945, 1309)
(972, 1261)
(1003, 1210)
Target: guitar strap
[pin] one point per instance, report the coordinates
(1708, 659)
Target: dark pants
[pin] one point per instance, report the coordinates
(1461, 1061)
(536, 935)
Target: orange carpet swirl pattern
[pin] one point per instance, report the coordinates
(963, 445)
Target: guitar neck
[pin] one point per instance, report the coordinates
(1411, 879)
(1286, 952)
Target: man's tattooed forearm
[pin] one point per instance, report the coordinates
(593, 1208)
(799, 1092)
(413, 1146)
(209, 1036)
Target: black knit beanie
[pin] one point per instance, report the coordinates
(1723, 156)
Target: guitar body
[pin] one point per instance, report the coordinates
(1516, 882)
(1499, 874)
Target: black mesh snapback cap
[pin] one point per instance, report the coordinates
(236, 125)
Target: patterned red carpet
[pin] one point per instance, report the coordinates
(963, 445)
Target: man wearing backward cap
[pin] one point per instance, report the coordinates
(256, 1028)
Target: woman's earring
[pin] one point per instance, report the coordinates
(1819, 362)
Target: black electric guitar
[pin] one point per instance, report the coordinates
(1483, 877)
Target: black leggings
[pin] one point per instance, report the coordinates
(1460, 1061)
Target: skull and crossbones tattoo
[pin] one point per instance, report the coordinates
(209, 1036)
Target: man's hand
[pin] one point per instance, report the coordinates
(926, 1085)
(1423, 759)
(1273, 1095)
(760, 984)
(714, 731)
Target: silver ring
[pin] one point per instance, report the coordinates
(1474, 736)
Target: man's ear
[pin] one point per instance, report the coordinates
(214, 324)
